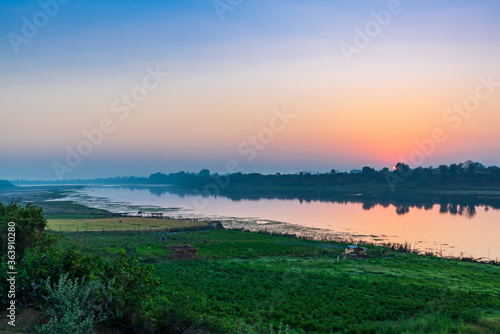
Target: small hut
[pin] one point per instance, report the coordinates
(356, 250)
(183, 252)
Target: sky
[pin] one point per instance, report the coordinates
(118, 88)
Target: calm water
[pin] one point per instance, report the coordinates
(452, 225)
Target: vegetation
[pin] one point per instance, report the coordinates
(242, 282)
(319, 295)
(73, 307)
(249, 282)
(128, 285)
(117, 224)
(467, 175)
(455, 176)
(68, 209)
(28, 231)
(211, 244)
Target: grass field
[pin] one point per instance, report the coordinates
(247, 283)
(117, 224)
(71, 210)
(319, 295)
(212, 244)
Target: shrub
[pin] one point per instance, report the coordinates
(74, 305)
(29, 225)
(31, 247)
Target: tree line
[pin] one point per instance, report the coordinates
(457, 175)
(468, 174)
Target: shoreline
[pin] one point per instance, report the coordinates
(56, 204)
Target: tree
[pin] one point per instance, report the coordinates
(405, 168)
(23, 224)
(453, 170)
(443, 170)
(367, 170)
(205, 173)
(470, 167)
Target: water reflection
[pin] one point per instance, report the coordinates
(403, 202)
(468, 211)
(402, 209)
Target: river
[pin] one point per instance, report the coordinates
(447, 225)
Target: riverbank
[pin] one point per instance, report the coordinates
(250, 282)
(449, 225)
(247, 282)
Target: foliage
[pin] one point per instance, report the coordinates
(121, 285)
(29, 225)
(248, 282)
(404, 176)
(74, 305)
(132, 284)
(318, 295)
(212, 244)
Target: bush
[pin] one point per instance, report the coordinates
(29, 226)
(74, 305)
(31, 247)
(120, 285)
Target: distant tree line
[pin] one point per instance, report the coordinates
(468, 174)
(458, 175)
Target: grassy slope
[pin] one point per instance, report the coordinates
(249, 281)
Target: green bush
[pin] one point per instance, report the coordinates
(74, 305)
(122, 285)
(132, 284)
(29, 226)
(30, 245)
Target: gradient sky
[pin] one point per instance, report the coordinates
(228, 77)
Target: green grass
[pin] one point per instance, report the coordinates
(211, 244)
(71, 210)
(319, 295)
(246, 282)
(117, 224)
